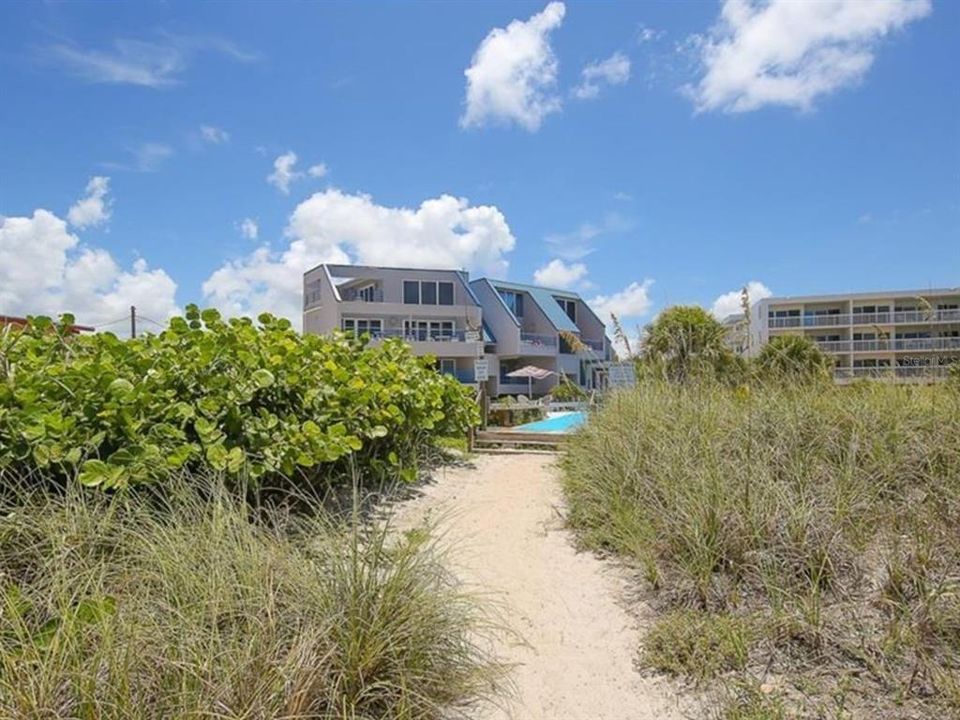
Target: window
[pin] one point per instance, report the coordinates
(411, 292)
(361, 326)
(448, 366)
(445, 293)
(367, 293)
(514, 301)
(422, 330)
(569, 307)
(428, 293)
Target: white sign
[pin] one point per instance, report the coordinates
(481, 370)
(471, 336)
(621, 375)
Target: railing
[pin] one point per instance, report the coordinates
(595, 345)
(910, 371)
(425, 335)
(532, 340)
(504, 380)
(835, 346)
(366, 295)
(913, 317)
(464, 376)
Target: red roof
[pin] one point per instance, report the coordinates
(13, 320)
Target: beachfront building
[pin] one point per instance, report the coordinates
(435, 311)
(548, 328)
(908, 335)
(478, 331)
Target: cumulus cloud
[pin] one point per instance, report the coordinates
(790, 53)
(213, 135)
(615, 70)
(284, 172)
(45, 270)
(249, 228)
(729, 303)
(513, 74)
(333, 226)
(630, 303)
(558, 274)
(94, 207)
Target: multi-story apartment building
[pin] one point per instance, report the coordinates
(552, 329)
(442, 313)
(908, 334)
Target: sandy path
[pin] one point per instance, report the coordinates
(503, 521)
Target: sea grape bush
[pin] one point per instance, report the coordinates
(256, 399)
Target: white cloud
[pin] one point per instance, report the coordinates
(647, 34)
(146, 63)
(630, 303)
(249, 228)
(214, 135)
(615, 70)
(333, 226)
(317, 171)
(785, 52)
(45, 270)
(729, 303)
(94, 207)
(513, 74)
(558, 274)
(284, 172)
(622, 196)
(579, 243)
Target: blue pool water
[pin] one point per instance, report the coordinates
(559, 423)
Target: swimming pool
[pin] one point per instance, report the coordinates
(558, 423)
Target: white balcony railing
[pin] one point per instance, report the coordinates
(842, 346)
(532, 341)
(903, 317)
(910, 371)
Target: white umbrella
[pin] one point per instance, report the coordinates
(531, 372)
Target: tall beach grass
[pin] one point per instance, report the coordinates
(192, 604)
(810, 534)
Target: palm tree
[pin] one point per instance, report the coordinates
(686, 341)
(793, 357)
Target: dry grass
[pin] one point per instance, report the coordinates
(828, 516)
(194, 605)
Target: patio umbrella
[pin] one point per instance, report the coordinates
(531, 372)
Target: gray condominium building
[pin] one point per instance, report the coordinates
(478, 331)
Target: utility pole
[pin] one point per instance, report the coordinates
(133, 321)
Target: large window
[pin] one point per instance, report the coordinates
(361, 326)
(427, 292)
(514, 301)
(569, 307)
(411, 292)
(428, 330)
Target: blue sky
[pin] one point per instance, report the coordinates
(654, 153)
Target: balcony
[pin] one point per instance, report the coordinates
(912, 371)
(424, 335)
(894, 345)
(595, 345)
(904, 317)
(365, 295)
(465, 376)
(538, 344)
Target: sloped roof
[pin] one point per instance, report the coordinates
(545, 300)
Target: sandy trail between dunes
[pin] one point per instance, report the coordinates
(502, 519)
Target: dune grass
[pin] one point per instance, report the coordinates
(193, 604)
(808, 534)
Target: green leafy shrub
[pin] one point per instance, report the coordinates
(185, 605)
(258, 400)
(566, 391)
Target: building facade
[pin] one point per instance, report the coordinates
(485, 326)
(901, 335)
